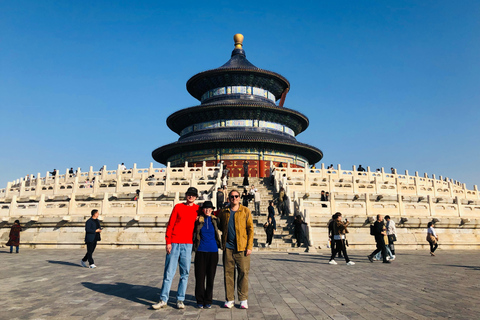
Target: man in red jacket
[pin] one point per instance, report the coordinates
(179, 239)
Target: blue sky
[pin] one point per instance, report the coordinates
(384, 83)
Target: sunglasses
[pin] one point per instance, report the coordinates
(234, 196)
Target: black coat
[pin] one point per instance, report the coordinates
(90, 227)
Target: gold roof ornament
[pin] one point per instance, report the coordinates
(238, 38)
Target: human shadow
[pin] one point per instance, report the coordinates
(466, 267)
(145, 295)
(65, 263)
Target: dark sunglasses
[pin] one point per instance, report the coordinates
(234, 196)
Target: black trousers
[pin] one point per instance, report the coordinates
(205, 269)
(380, 247)
(269, 237)
(90, 248)
(433, 246)
(340, 247)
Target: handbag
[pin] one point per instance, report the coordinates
(431, 238)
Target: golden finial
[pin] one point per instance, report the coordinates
(238, 38)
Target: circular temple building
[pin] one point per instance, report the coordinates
(238, 120)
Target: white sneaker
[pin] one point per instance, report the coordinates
(229, 304)
(243, 304)
(83, 264)
(332, 262)
(180, 305)
(159, 305)
(350, 263)
(92, 266)
(393, 257)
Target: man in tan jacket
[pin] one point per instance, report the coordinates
(236, 224)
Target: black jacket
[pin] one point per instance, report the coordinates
(90, 227)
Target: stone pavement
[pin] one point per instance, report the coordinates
(50, 284)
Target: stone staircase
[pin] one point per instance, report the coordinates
(282, 240)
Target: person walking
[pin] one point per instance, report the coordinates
(206, 241)
(381, 239)
(339, 229)
(245, 197)
(432, 238)
(179, 245)
(236, 224)
(92, 236)
(270, 231)
(281, 201)
(14, 236)
(392, 235)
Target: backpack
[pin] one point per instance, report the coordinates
(372, 230)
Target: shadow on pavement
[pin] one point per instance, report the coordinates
(466, 267)
(145, 295)
(65, 263)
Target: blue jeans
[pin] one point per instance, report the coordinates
(11, 249)
(378, 256)
(181, 254)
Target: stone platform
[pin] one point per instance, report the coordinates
(50, 284)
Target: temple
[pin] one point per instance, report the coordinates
(238, 121)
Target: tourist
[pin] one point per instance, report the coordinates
(392, 235)
(322, 196)
(331, 234)
(122, 167)
(236, 225)
(327, 196)
(380, 239)
(432, 238)
(281, 202)
(220, 198)
(92, 236)
(258, 199)
(205, 195)
(14, 236)
(271, 209)
(54, 172)
(269, 230)
(206, 241)
(179, 243)
(71, 173)
(360, 168)
(245, 197)
(245, 173)
(298, 232)
(392, 170)
(339, 229)
(252, 192)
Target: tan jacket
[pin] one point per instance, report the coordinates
(243, 227)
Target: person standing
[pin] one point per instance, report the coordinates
(298, 231)
(92, 236)
(391, 234)
(179, 243)
(206, 241)
(432, 238)
(339, 229)
(258, 199)
(331, 234)
(380, 239)
(245, 197)
(14, 236)
(281, 201)
(220, 198)
(245, 173)
(269, 230)
(236, 224)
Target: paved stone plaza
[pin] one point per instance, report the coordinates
(50, 284)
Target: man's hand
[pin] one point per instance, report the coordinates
(169, 248)
(98, 230)
(248, 252)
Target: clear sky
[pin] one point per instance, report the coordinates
(384, 83)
